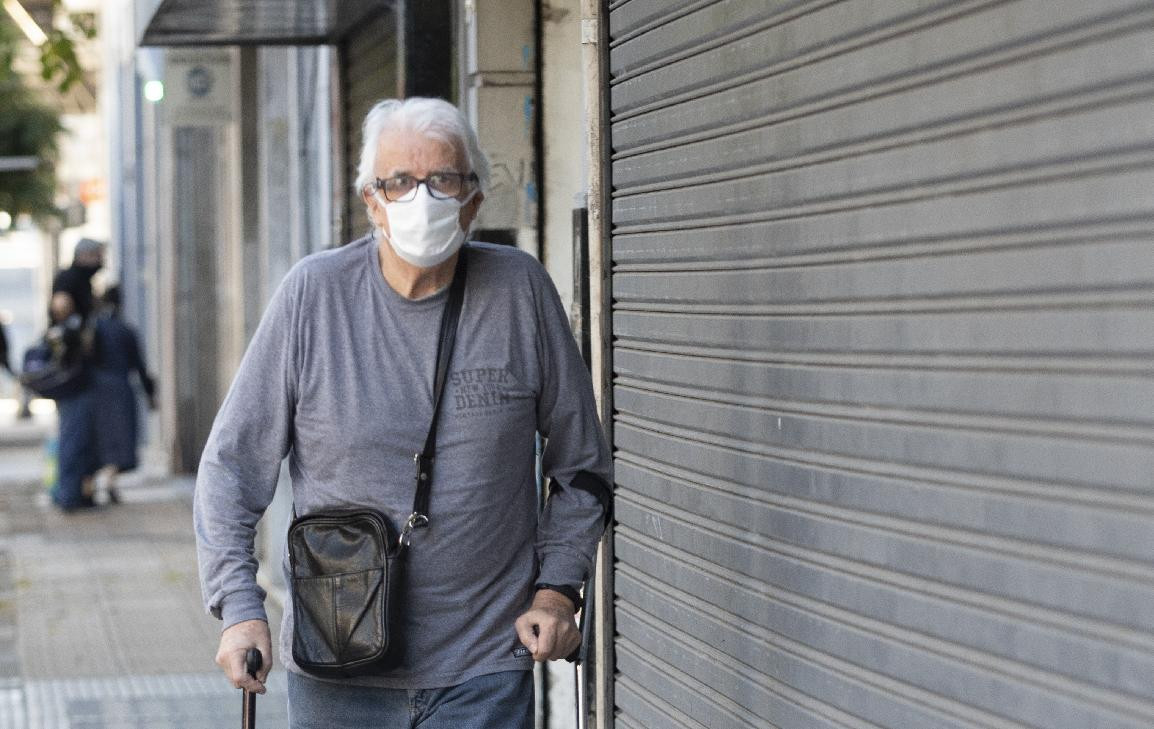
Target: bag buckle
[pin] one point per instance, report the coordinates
(416, 521)
(424, 468)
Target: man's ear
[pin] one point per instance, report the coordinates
(373, 205)
(473, 206)
(368, 196)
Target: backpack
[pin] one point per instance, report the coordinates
(55, 367)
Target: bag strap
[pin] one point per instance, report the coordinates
(419, 519)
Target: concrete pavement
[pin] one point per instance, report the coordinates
(101, 625)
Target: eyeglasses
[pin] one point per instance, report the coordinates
(441, 185)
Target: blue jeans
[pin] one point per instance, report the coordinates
(494, 701)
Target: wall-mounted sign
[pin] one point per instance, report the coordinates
(198, 85)
(199, 81)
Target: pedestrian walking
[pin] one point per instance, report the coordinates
(5, 363)
(5, 355)
(75, 452)
(76, 280)
(117, 428)
(70, 310)
(22, 397)
(374, 362)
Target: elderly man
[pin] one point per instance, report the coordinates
(339, 377)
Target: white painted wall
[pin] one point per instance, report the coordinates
(498, 62)
(563, 105)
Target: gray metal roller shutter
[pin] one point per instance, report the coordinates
(884, 363)
(368, 74)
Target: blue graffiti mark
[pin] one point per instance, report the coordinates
(531, 191)
(528, 111)
(526, 56)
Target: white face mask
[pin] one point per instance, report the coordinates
(424, 231)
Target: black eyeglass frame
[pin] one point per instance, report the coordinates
(465, 179)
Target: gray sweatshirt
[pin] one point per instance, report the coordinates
(339, 377)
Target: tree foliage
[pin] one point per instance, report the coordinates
(58, 61)
(29, 127)
(28, 130)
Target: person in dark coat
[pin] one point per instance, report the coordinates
(76, 280)
(4, 363)
(75, 454)
(69, 312)
(117, 421)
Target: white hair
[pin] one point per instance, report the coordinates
(435, 118)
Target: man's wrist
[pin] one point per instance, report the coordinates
(569, 592)
(242, 605)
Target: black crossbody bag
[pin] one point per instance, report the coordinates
(347, 566)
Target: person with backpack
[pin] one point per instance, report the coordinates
(69, 345)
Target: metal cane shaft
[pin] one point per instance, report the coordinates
(252, 663)
(249, 709)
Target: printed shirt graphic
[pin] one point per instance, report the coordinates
(483, 391)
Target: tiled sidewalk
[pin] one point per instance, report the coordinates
(162, 701)
(101, 625)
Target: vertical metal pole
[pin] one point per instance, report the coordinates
(595, 49)
(539, 127)
(582, 702)
(580, 322)
(580, 670)
(541, 670)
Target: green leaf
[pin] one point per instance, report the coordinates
(29, 128)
